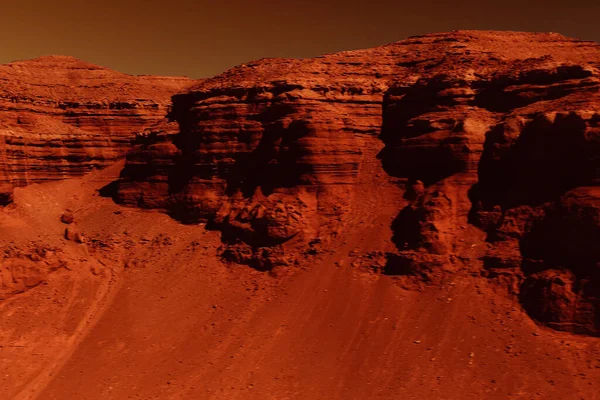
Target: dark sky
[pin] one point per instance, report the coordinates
(200, 38)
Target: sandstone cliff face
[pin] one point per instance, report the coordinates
(541, 214)
(517, 149)
(61, 117)
(496, 130)
(267, 153)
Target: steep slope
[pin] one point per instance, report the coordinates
(153, 314)
(61, 117)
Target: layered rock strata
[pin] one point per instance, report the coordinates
(495, 129)
(62, 117)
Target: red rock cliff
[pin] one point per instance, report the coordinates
(496, 129)
(60, 117)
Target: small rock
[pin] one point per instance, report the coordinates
(95, 269)
(72, 233)
(67, 217)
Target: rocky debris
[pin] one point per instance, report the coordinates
(21, 270)
(376, 261)
(62, 117)
(67, 217)
(264, 233)
(72, 233)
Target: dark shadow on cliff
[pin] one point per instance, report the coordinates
(274, 163)
(111, 190)
(547, 159)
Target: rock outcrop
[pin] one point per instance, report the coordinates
(538, 200)
(516, 146)
(267, 153)
(521, 115)
(62, 117)
(496, 130)
(21, 270)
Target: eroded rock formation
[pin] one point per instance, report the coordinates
(61, 117)
(487, 129)
(23, 269)
(542, 215)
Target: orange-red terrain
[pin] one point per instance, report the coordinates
(419, 220)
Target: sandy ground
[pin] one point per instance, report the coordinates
(147, 311)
